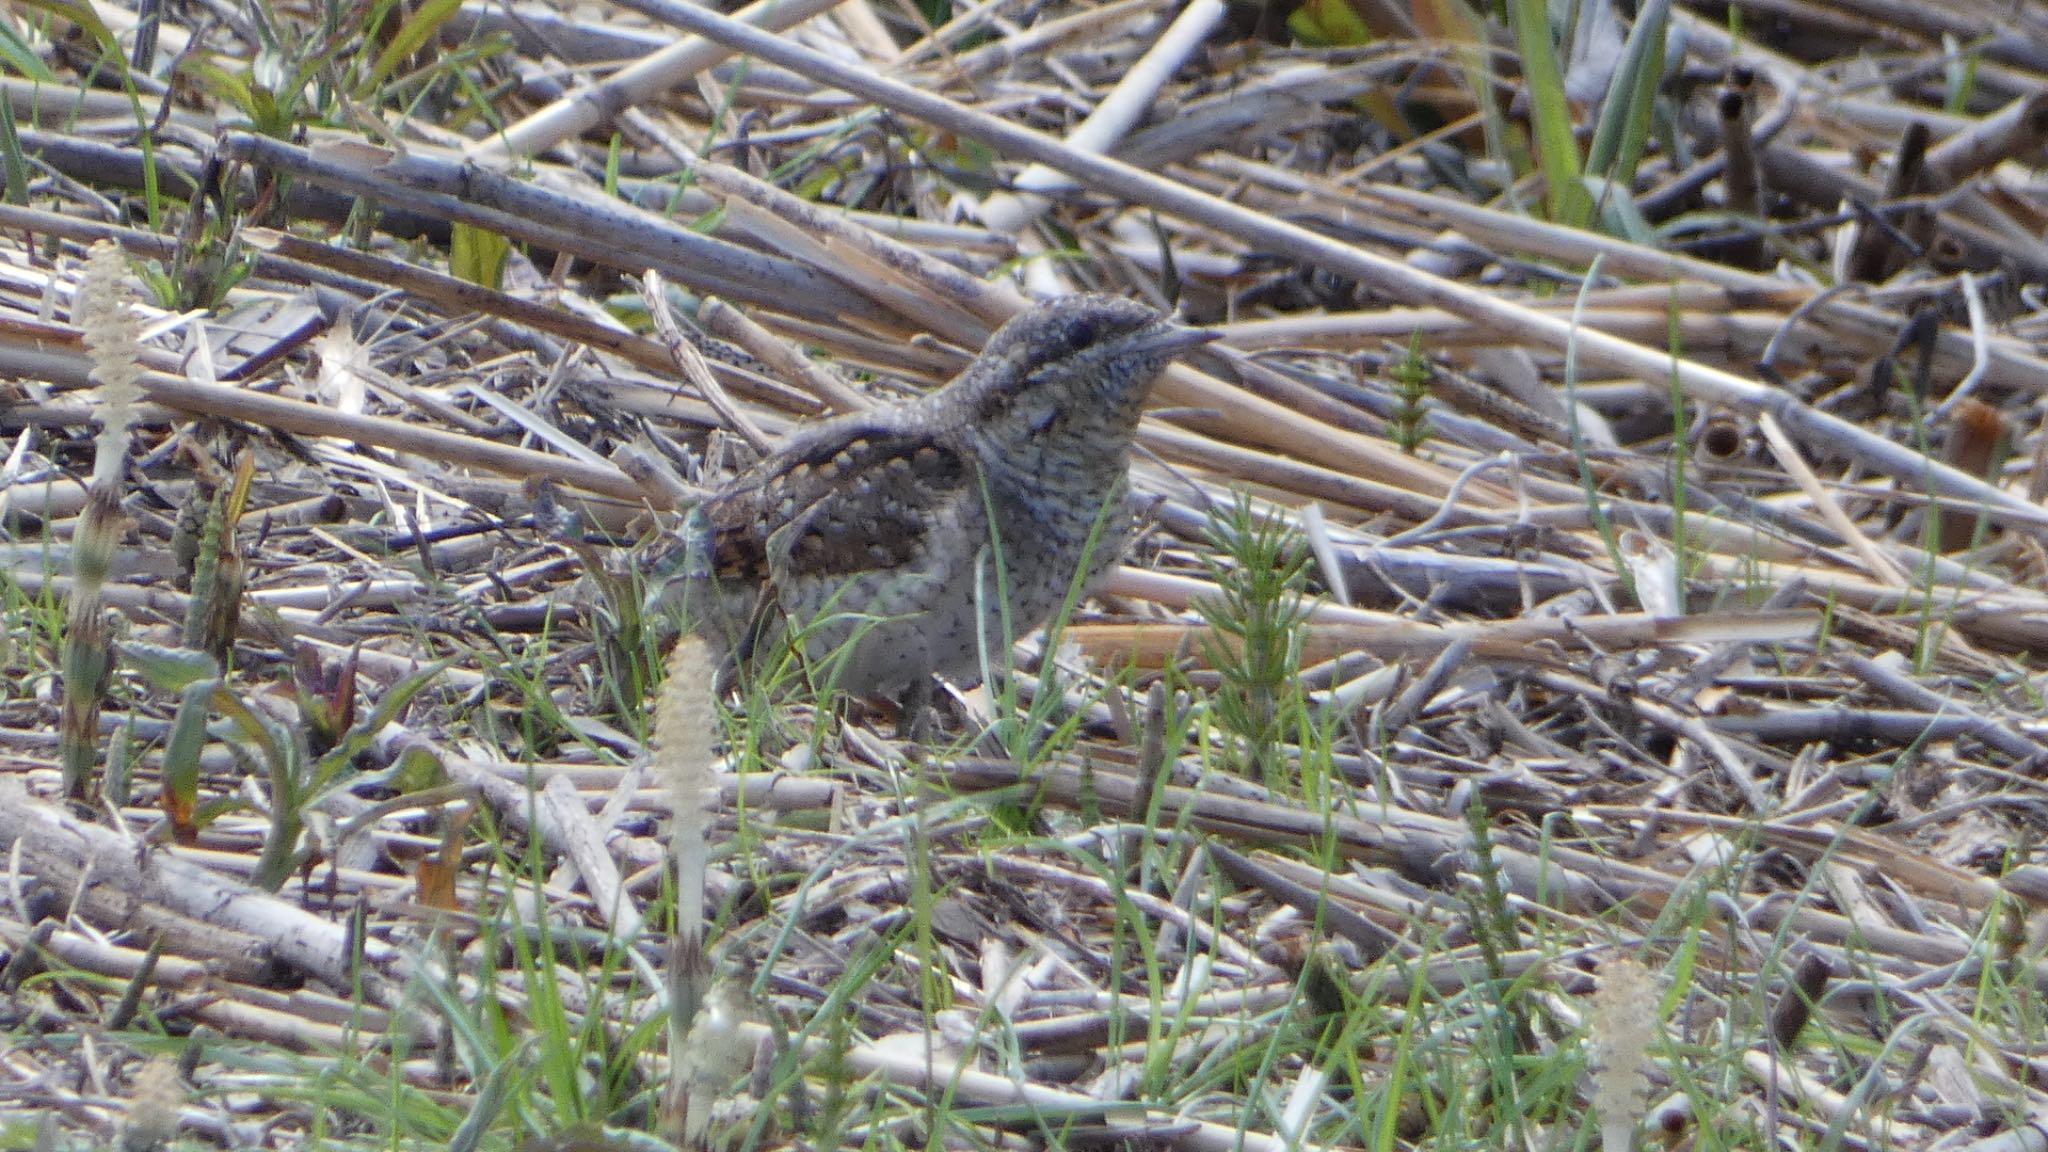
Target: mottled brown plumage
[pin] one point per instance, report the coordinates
(877, 534)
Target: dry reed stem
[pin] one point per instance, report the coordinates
(1839, 741)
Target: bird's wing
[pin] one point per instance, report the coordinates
(855, 498)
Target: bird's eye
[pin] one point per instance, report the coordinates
(1080, 334)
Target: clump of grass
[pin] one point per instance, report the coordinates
(628, 641)
(303, 763)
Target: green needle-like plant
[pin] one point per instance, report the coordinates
(1256, 624)
(1409, 424)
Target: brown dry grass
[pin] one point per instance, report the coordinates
(1740, 690)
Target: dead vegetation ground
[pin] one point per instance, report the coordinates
(1609, 531)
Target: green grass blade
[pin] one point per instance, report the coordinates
(1557, 151)
(1624, 125)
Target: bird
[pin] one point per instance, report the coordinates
(902, 542)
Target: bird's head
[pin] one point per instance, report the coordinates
(1073, 365)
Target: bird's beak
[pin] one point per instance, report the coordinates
(1171, 339)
